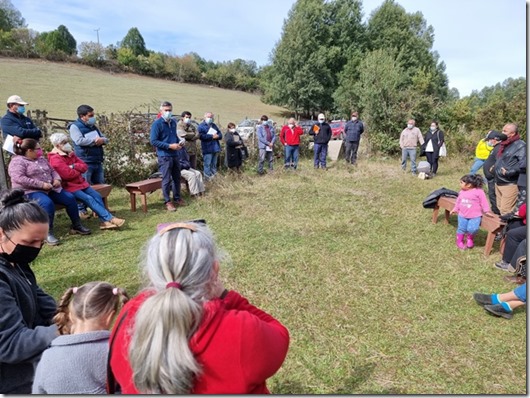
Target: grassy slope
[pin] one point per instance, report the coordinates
(376, 298)
(61, 88)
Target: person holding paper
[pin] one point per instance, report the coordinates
(322, 133)
(88, 146)
(266, 138)
(210, 136)
(16, 123)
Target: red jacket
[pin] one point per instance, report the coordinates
(522, 212)
(237, 345)
(72, 178)
(291, 136)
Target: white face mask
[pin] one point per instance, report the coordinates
(187, 120)
(232, 130)
(321, 120)
(67, 147)
(410, 126)
(291, 126)
(208, 120)
(353, 118)
(433, 128)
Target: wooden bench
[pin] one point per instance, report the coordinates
(104, 191)
(490, 223)
(144, 187)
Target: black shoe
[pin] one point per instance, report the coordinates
(482, 299)
(499, 310)
(52, 240)
(79, 229)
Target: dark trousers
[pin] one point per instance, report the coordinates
(47, 201)
(432, 158)
(519, 252)
(492, 196)
(513, 238)
(350, 152)
(170, 168)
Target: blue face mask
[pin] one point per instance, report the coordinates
(209, 120)
(92, 120)
(21, 110)
(166, 115)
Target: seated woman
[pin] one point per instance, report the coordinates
(185, 333)
(30, 172)
(71, 169)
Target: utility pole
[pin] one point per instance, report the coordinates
(97, 32)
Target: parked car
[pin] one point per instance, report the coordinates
(247, 127)
(306, 125)
(337, 129)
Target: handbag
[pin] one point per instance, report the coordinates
(443, 151)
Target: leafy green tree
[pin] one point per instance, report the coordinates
(126, 57)
(10, 17)
(66, 41)
(92, 53)
(134, 41)
(56, 43)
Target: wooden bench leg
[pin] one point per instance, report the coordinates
(144, 202)
(447, 212)
(435, 214)
(489, 243)
(503, 243)
(133, 201)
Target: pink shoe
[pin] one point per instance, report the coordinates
(460, 241)
(470, 244)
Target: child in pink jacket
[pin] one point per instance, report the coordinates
(470, 205)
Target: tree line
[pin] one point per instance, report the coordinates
(327, 60)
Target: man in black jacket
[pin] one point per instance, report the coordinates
(506, 170)
(322, 133)
(488, 168)
(352, 135)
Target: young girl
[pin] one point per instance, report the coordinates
(76, 361)
(470, 205)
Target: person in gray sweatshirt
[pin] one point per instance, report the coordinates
(83, 318)
(26, 311)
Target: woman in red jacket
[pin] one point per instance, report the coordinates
(290, 138)
(71, 169)
(185, 333)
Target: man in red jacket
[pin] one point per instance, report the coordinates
(290, 138)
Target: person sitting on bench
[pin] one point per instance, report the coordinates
(70, 168)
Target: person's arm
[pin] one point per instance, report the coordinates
(17, 173)
(65, 172)
(18, 343)
(442, 137)
(298, 130)
(219, 133)
(456, 209)
(402, 140)
(420, 137)
(12, 127)
(261, 135)
(77, 137)
(154, 137)
(484, 203)
(264, 340)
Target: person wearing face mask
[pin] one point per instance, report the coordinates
(352, 136)
(290, 138)
(15, 123)
(483, 150)
(26, 311)
(187, 131)
(70, 169)
(30, 171)
(434, 139)
(322, 133)
(408, 141)
(88, 146)
(164, 138)
(266, 138)
(234, 148)
(210, 136)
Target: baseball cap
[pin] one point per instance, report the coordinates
(15, 99)
(496, 135)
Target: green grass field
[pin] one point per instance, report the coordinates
(61, 88)
(377, 299)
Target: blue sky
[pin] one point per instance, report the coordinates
(482, 42)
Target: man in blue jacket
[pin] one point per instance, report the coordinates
(16, 123)
(352, 136)
(210, 136)
(266, 138)
(164, 138)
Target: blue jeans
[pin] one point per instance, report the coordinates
(520, 292)
(320, 154)
(468, 225)
(477, 164)
(169, 166)
(411, 153)
(210, 164)
(291, 155)
(47, 201)
(94, 175)
(91, 198)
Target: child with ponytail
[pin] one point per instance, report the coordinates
(75, 363)
(470, 205)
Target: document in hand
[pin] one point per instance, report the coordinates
(316, 128)
(212, 131)
(8, 144)
(92, 135)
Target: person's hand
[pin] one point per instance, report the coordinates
(503, 170)
(452, 212)
(47, 186)
(56, 183)
(174, 146)
(215, 136)
(506, 217)
(270, 145)
(99, 141)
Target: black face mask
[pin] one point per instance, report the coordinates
(22, 254)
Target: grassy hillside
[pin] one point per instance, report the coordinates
(59, 88)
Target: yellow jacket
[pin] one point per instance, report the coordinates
(483, 150)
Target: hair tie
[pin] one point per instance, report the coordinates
(74, 290)
(115, 291)
(174, 284)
